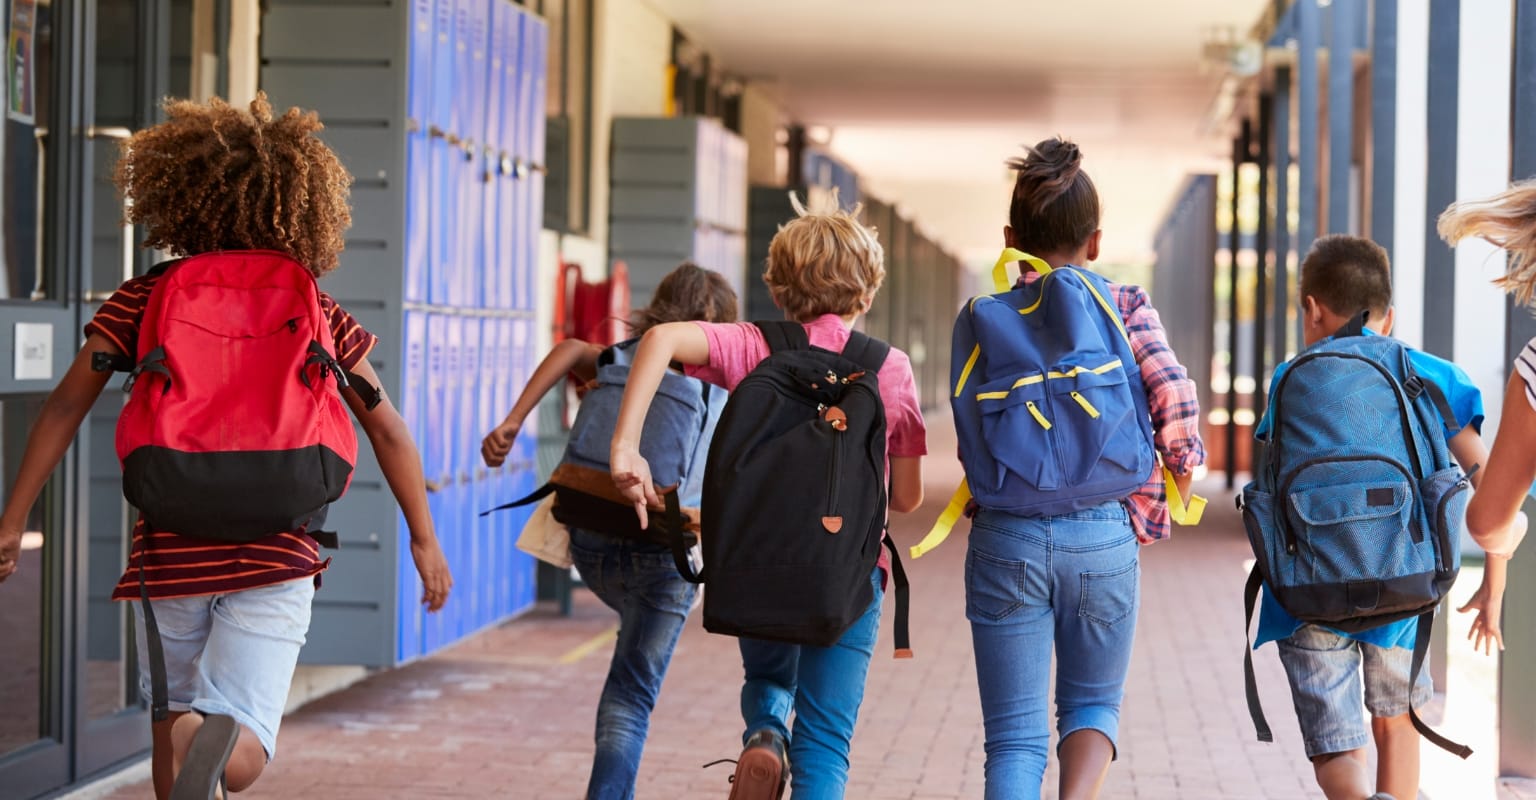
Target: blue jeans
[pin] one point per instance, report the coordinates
(824, 686)
(640, 582)
(1031, 582)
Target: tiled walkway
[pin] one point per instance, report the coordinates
(508, 714)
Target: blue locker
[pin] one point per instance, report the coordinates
(538, 66)
(496, 74)
(418, 217)
(435, 627)
(413, 385)
(442, 223)
(434, 437)
(440, 103)
(463, 47)
(453, 424)
(419, 64)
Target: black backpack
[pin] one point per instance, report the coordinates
(795, 494)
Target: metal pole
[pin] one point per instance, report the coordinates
(1383, 122)
(1440, 184)
(1261, 245)
(1239, 155)
(1282, 158)
(1341, 114)
(1307, 127)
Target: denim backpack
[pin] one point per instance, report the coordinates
(674, 441)
(1356, 508)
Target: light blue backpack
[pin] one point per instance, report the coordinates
(1356, 508)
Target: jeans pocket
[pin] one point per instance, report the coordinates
(994, 587)
(1109, 597)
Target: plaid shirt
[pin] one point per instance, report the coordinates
(1172, 399)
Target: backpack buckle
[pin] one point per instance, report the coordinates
(1413, 387)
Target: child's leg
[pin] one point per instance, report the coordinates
(1097, 595)
(247, 668)
(184, 625)
(1008, 603)
(827, 699)
(1324, 672)
(768, 688)
(1386, 697)
(653, 601)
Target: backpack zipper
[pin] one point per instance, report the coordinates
(1442, 536)
(1087, 406)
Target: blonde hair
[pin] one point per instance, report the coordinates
(1508, 220)
(824, 261)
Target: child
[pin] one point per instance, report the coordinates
(637, 579)
(1028, 578)
(1340, 277)
(823, 271)
(211, 178)
(1508, 220)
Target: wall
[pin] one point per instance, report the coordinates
(760, 120)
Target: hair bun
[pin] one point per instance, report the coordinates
(1048, 170)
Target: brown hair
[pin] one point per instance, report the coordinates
(823, 261)
(1507, 220)
(688, 293)
(1055, 205)
(1348, 274)
(214, 177)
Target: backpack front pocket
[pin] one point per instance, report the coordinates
(1016, 417)
(1346, 530)
(1095, 404)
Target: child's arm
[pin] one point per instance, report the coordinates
(906, 483)
(1510, 470)
(571, 355)
(683, 342)
(402, 469)
(55, 428)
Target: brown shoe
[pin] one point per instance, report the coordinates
(762, 769)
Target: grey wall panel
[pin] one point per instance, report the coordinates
(344, 93)
(336, 33)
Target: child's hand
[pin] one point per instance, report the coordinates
(498, 443)
(10, 551)
(436, 580)
(1485, 631)
(632, 476)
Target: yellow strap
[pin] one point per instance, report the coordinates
(1000, 270)
(945, 523)
(1184, 513)
(1034, 411)
(965, 372)
(1087, 406)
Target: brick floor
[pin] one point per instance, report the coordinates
(509, 713)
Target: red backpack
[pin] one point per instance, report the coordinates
(235, 428)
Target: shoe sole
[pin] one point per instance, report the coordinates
(203, 772)
(759, 776)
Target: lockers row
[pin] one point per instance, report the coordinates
(437, 108)
(679, 193)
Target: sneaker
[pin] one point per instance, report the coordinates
(1381, 796)
(762, 769)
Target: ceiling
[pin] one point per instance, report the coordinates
(926, 100)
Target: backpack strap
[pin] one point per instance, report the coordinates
(784, 335)
(159, 704)
(1355, 326)
(900, 631)
(537, 495)
(1420, 649)
(674, 518)
(866, 351)
(1251, 686)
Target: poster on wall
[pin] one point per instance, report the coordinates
(19, 62)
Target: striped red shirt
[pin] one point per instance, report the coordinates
(184, 566)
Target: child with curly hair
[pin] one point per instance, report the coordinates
(231, 615)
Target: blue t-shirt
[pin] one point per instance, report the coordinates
(1467, 406)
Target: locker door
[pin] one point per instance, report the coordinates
(412, 407)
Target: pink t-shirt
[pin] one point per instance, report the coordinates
(736, 348)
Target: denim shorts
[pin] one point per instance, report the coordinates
(1335, 680)
(232, 653)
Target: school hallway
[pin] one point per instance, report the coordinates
(508, 713)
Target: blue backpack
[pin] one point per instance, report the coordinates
(1356, 508)
(674, 441)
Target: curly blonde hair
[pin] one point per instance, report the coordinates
(824, 262)
(1507, 220)
(214, 177)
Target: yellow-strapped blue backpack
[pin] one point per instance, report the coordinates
(1048, 400)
